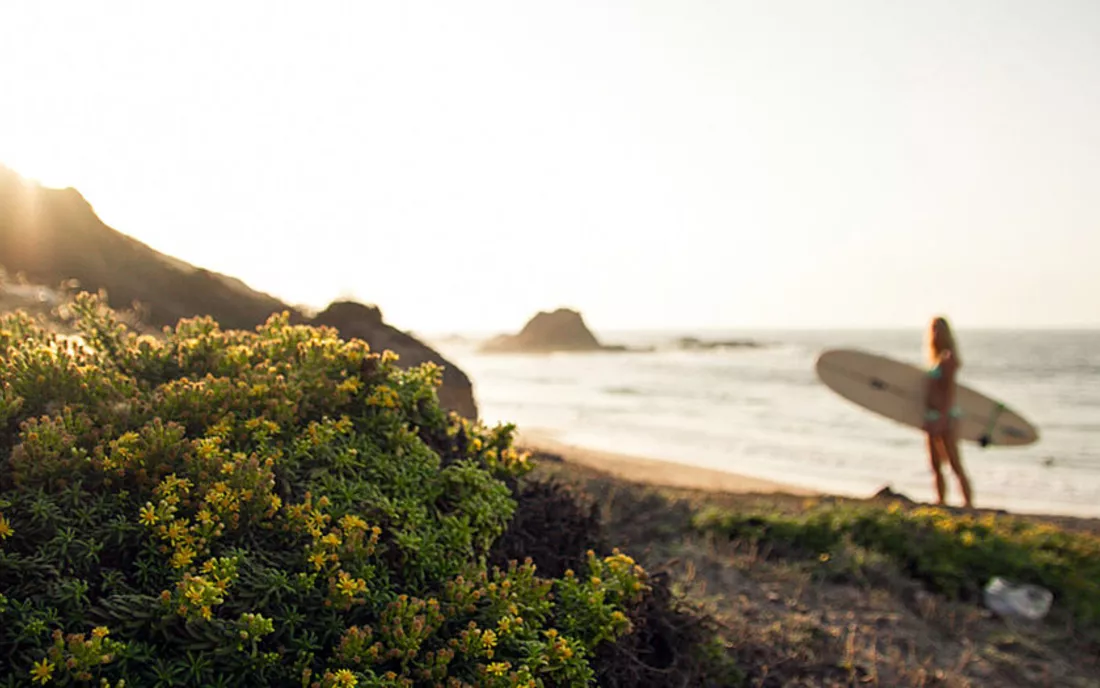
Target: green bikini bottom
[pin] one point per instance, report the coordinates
(932, 415)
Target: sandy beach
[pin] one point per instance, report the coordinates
(650, 471)
(719, 486)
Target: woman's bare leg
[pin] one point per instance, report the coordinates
(951, 448)
(936, 459)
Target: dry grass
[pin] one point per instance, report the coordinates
(794, 622)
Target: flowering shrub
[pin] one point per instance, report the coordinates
(276, 507)
(955, 554)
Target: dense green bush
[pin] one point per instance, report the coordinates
(275, 507)
(555, 525)
(954, 554)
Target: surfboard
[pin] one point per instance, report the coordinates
(895, 389)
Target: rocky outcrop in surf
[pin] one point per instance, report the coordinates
(561, 330)
(695, 344)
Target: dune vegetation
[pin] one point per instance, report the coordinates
(812, 591)
(280, 507)
(954, 554)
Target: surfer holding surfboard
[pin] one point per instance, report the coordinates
(941, 413)
(928, 399)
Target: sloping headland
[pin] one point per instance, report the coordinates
(50, 237)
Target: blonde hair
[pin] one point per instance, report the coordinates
(941, 339)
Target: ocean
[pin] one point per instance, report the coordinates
(762, 412)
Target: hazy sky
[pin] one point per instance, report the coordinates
(655, 164)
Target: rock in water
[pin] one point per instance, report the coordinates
(560, 330)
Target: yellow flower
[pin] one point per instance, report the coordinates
(182, 558)
(352, 522)
(42, 671)
(349, 385)
(498, 668)
(148, 515)
(317, 559)
(5, 528)
(100, 632)
(194, 593)
(345, 678)
(967, 539)
(348, 586)
(618, 555)
(489, 639)
(175, 531)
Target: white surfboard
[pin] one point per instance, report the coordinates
(896, 390)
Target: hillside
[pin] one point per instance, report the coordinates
(52, 236)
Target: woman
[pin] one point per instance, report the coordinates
(941, 412)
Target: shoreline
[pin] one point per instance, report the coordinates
(654, 472)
